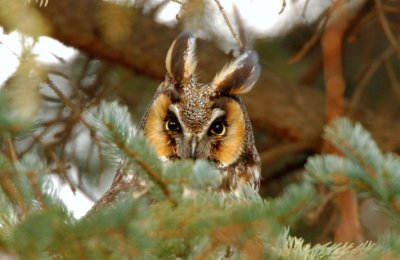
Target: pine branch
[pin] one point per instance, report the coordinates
(287, 247)
(388, 246)
(135, 156)
(365, 167)
(294, 203)
(356, 143)
(121, 142)
(203, 224)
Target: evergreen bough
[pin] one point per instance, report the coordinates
(34, 224)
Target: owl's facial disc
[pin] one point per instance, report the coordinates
(220, 137)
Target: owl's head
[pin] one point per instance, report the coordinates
(188, 119)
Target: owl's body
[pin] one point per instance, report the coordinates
(191, 120)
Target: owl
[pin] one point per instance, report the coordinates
(191, 120)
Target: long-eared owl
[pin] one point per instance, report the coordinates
(188, 119)
(192, 120)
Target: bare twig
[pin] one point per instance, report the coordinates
(12, 52)
(366, 76)
(15, 195)
(283, 7)
(360, 23)
(285, 149)
(60, 59)
(75, 116)
(84, 191)
(178, 2)
(391, 9)
(11, 148)
(305, 48)
(60, 166)
(241, 28)
(58, 73)
(75, 109)
(393, 78)
(314, 215)
(230, 27)
(61, 95)
(310, 43)
(305, 8)
(386, 27)
(84, 70)
(95, 86)
(36, 189)
(45, 125)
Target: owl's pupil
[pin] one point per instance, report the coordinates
(172, 124)
(218, 128)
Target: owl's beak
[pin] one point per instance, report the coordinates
(193, 146)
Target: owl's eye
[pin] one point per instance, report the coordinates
(218, 128)
(172, 124)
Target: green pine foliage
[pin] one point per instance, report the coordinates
(363, 166)
(295, 248)
(199, 224)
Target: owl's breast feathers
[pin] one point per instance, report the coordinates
(245, 172)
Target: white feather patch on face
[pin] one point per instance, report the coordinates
(216, 113)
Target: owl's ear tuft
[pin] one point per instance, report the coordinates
(239, 76)
(181, 59)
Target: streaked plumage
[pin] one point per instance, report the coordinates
(191, 120)
(198, 108)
